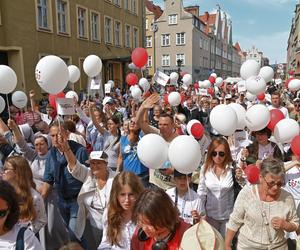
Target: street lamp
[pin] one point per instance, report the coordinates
(179, 63)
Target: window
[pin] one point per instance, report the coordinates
(149, 41)
(126, 4)
(134, 6)
(127, 36)
(43, 16)
(173, 19)
(82, 22)
(165, 60)
(135, 37)
(117, 2)
(95, 26)
(165, 40)
(149, 63)
(180, 57)
(201, 42)
(108, 30)
(117, 33)
(146, 23)
(62, 16)
(180, 38)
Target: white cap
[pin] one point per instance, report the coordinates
(98, 155)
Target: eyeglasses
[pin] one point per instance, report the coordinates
(220, 153)
(3, 213)
(272, 183)
(123, 197)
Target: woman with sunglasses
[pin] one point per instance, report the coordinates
(216, 184)
(263, 212)
(94, 194)
(32, 209)
(117, 219)
(9, 217)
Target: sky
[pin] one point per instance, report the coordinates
(264, 24)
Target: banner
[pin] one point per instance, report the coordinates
(95, 83)
(161, 78)
(65, 106)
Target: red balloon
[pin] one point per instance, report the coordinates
(182, 96)
(211, 91)
(196, 85)
(261, 96)
(147, 94)
(291, 72)
(132, 79)
(170, 89)
(139, 57)
(197, 130)
(295, 145)
(166, 99)
(52, 99)
(183, 73)
(275, 116)
(252, 172)
(212, 79)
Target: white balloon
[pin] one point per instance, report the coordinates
(144, 84)
(19, 99)
(132, 66)
(136, 93)
(187, 79)
(214, 75)
(223, 118)
(2, 104)
(206, 84)
(74, 73)
(257, 117)
(216, 90)
(190, 124)
(52, 74)
(71, 94)
(92, 65)
(174, 78)
(219, 81)
(133, 87)
(294, 85)
(285, 130)
(267, 73)
(200, 83)
(249, 68)
(256, 85)
(192, 154)
(112, 83)
(152, 151)
(240, 113)
(250, 97)
(8, 79)
(174, 99)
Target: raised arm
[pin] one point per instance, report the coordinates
(98, 126)
(32, 101)
(140, 116)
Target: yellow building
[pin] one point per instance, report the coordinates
(71, 29)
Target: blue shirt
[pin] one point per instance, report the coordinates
(57, 173)
(131, 162)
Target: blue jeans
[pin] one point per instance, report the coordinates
(69, 210)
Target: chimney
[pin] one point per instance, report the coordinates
(206, 16)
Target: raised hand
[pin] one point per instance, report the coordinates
(31, 94)
(11, 124)
(151, 101)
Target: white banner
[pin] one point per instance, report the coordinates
(202, 92)
(65, 106)
(241, 86)
(161, 78)
(95, 83)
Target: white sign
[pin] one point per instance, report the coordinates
(278, 81)
(202, 92)
(95, 83)
(107, 88)
(65, 106)
(161, 78)
(241, 86)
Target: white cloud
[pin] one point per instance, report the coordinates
(274, 46)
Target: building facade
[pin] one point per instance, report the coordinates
(72, 30)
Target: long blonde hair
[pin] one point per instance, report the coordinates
(115, 211)
(23, 184)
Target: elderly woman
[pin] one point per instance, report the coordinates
(263, 212)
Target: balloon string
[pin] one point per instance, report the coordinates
(189, 190)
(142, 73)
(8, 106)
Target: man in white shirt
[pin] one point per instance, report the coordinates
(276, 104)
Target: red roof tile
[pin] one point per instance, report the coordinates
(155, 9)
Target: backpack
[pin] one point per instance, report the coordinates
(202, 236)
(20, 239)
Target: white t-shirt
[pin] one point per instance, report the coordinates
(8, 240)
(292, 183)
(284, 110)
(186, 204)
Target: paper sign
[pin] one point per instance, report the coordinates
(241, 139)
(241, 86)
(65, 106)
(107, 88)
(202, 92)
(95, 83)
(161, 78)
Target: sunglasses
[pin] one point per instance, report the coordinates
(220, 153)
(272, 183)
(3, 213)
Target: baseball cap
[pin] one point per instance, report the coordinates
(296, 99)
(98, 155)
(228, 96)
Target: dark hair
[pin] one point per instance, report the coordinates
(163, 115)
(41, 137)
(117, 121)
(264, 131)
(157, 207)
(276, 93)
(70, 126)
(8, 194)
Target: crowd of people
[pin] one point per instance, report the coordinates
(76, 181)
